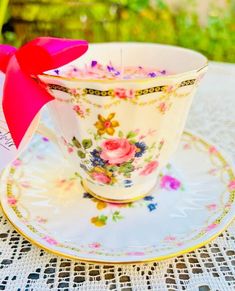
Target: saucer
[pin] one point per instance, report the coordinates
(192, 203)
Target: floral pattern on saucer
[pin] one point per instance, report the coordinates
(51, 208)
(113, 211)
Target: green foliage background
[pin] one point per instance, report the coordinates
(124, 20)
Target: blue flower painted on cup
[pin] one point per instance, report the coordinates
(140, 149)
(96, 160)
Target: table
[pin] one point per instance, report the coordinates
(24, 267)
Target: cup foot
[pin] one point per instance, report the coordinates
(110, 200)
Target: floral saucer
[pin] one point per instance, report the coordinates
(192, 203)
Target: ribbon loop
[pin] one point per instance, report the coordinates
(6, 52)
(46, 53)
(22, 96)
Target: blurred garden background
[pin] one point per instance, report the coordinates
(204, 25)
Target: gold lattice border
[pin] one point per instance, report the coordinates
(105, 93)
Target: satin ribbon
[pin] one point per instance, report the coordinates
(23, 97)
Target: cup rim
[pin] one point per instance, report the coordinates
(137, 80)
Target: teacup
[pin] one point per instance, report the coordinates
(118, 134)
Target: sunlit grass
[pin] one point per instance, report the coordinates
(3, 9)
(126, 20)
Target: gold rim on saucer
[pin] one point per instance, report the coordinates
(16, 201)
(71, 257)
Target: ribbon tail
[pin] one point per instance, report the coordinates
(22, 100)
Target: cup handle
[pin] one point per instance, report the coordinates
(47, 132)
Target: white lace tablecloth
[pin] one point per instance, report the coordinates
(24, 267)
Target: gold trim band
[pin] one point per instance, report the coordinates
(105, 93)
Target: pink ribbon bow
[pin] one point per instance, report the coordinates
(23, 97)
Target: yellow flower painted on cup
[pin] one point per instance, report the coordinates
(106, 125)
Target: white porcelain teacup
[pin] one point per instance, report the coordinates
(118, 134)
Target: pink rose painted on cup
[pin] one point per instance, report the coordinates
(117, 151)
(101, 177)
(78, 110)
(124, 93)
(70, 150)
(76, 91)
(170, 183)
(149, 168)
